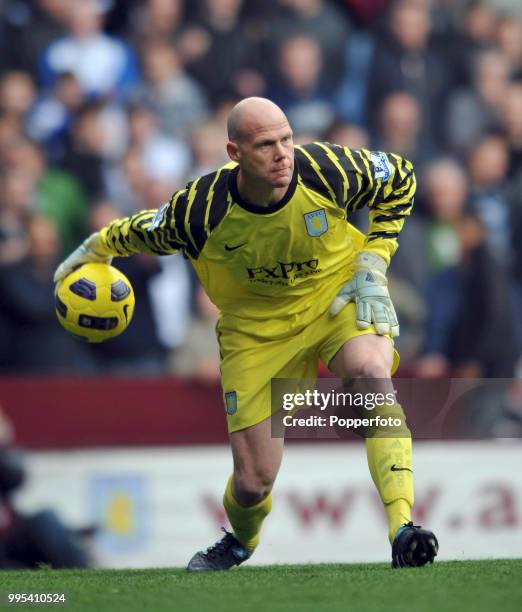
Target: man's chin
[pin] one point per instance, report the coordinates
(281, 181)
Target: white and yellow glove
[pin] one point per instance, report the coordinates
(368, 288)
(85, 253)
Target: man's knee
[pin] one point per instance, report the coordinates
(366, 356)
(252, 486)
(373, 366)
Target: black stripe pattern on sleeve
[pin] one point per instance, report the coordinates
(328, 171)
(309, 173)
(221, 201)
(375, 235)
(208, 203)
(198, 211)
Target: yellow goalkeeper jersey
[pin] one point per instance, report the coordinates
(270, 269)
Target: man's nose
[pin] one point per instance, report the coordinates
(280, 151)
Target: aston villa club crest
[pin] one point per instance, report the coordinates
(316, 223)
(231, 402)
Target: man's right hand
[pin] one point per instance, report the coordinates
(85, 253)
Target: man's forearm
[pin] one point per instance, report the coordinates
(144, 232)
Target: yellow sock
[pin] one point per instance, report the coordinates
(390, 463)
(395, 486)
(397, 513)
(246, 521)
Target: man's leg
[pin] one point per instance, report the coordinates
(248, 498)
(388, 449)
(248, 365)
(370, 357)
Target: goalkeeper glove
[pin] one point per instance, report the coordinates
(368, 288)
(87, 252)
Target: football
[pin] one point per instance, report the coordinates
(95, 302)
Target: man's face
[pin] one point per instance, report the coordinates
(266, 153)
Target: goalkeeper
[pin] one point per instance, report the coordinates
(269, 238)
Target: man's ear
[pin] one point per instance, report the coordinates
(233, 151)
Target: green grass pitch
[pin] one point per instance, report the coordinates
(459, 586)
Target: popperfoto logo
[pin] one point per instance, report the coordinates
(425, 409)
(329, 408)
(359, 401)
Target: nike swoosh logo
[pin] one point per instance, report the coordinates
(394, 468)
(233, 248)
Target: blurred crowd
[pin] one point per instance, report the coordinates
(108, 106)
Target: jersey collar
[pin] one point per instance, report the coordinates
(255, 208)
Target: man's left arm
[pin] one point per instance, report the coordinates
(386, 184)
(390, 200)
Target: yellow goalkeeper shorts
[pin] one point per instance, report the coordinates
(250, 361)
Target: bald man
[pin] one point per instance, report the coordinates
(268, 237)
